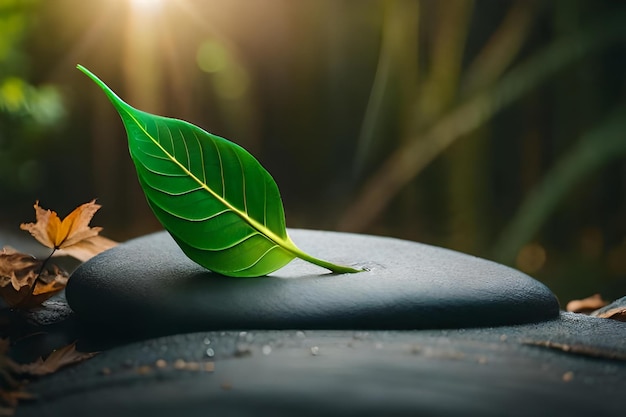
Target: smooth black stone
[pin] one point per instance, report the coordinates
(148, 286)
(499, 371)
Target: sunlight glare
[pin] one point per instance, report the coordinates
(145, 6)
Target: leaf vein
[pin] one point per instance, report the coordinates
(243, 184)
(200, 149)
(186, 149)
(169, 133)
(219, 157)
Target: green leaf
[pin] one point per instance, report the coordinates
(219, 204)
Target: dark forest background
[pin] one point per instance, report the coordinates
(496, 128)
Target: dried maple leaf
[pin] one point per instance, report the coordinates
(19, 272)
(64, 356)
(87, 249)
(17, 269)
(10, 398)
(586, 305)
(72, 234)
(617, 313)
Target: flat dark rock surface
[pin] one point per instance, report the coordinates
(426, 331)
(148, 286)
(572, 366)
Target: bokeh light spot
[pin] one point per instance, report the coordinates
(212, 56)
(230, 78)
(12, 94)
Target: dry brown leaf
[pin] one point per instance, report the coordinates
(64, 356)
(87, 249)
(586, 305)
(583, 350)
(17, 269)
(72, 234)
(27, 282)
(10, 398)
(617, 313)
(6, 411)
(18, 274)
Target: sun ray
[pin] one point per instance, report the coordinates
(146, 6)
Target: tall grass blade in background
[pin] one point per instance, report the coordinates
(395, 80)
(409, 159)
(595, 149)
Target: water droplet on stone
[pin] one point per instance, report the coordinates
(210, 352)
(300, 334)
(144, 370)
(568, 376)
(315, 350)
(243, 334)
(242, 350)
(206, 341)
(267, 349)
(193, 366)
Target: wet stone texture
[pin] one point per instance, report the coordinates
(426, 331)
(148, 286)
(573, 366)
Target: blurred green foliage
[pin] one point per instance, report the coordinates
(490, 127)
(26, 111)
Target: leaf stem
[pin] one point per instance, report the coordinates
(43, 265)
(337, 269)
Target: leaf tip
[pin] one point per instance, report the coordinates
(118, 103)
(82, 69)
(88, 73)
